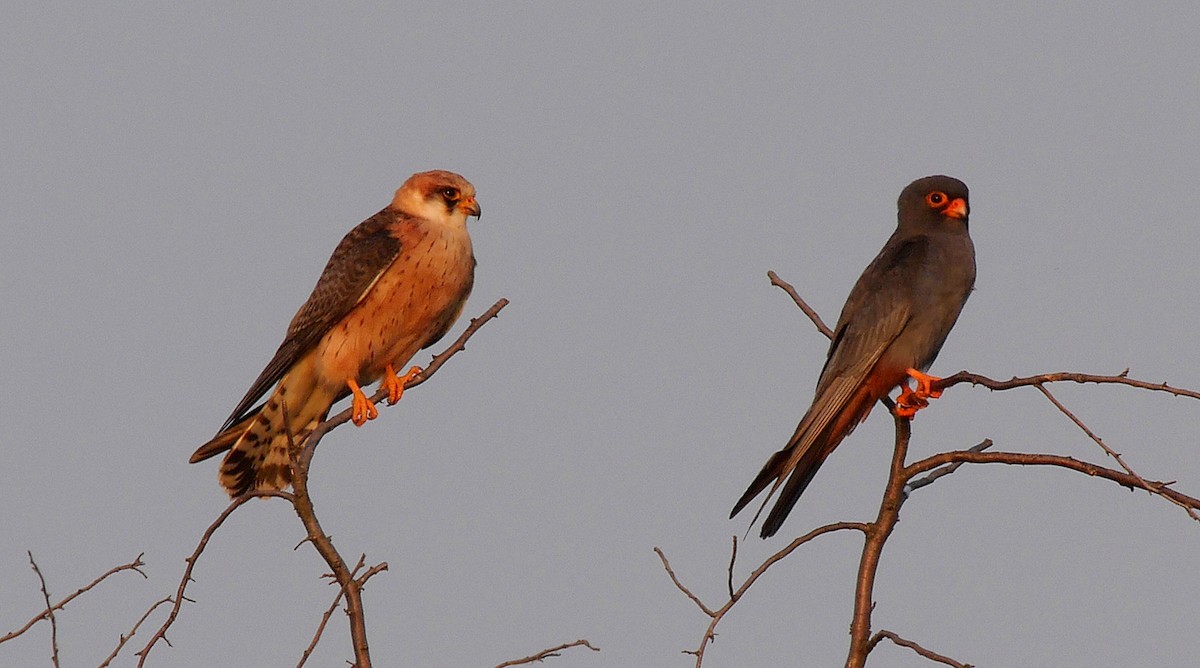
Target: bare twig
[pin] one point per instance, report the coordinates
(126, 637)
(1040, 459)
(914, 485)
(901, 479)
(134, 565)
(1062, 377)
(460, 344)
(715, 616)
(547, 653)
(302, 503)
(928, 654)
(362, 560)
(679, 585)
(1112, 453)
(351, 587)
(179, 598)
(808, 310)
(990, 383)
(49, 611)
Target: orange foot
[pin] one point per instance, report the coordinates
(395, 384)
(911, 401)
(363, 408)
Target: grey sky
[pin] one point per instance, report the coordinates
(175, 177)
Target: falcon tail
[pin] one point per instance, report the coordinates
(799, 461)
(258, 456)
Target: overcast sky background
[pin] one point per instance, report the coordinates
(175, 176)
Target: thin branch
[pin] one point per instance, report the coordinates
(914, 485)
(362, 560)
(134, 565)
(680, 586)
(547, 653)
(1061, 377)
(928, 654)
(351, 588)
(301, 459)
(901, 480)
(179, 598)
(133, 631)
(460, 344)
(1040, 459)
(716, 615)
(1110, 452)
(49, 611)
(808, 310)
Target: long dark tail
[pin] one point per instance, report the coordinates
(801, 458)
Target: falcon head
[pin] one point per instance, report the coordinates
(437, 195)
(934, 199)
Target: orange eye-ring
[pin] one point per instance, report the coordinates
(936, 199)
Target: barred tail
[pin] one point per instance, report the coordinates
(258, 455)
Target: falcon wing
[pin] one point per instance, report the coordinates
(875, 314)
(356, 264)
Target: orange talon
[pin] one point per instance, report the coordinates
(910, 401)
(925, 384)
(363, 408)
(395, 384)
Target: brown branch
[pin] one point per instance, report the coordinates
(1110, 452)
(134, 565)
(460, 344)
(1040, 459)
(362, 560)
(715, 616)
(133, 631)
(1061, 377)
(302, 503)
(351, 587)
(901, 479)
(679, 585)
(547, 653)
(914, 485)
(928, 654)
(49, 611)
(877, 534)
(808, 310)
(179, 598)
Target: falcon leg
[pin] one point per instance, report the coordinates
(363, 408)
(395, 384)
(910, 401)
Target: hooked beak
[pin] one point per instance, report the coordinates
(470, 207)
(957, 209)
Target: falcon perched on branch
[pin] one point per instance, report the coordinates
(394, 285)
(893, 324)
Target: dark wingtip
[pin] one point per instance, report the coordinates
(223, 440)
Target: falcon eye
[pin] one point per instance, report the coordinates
(935, 199)
(451, 194)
